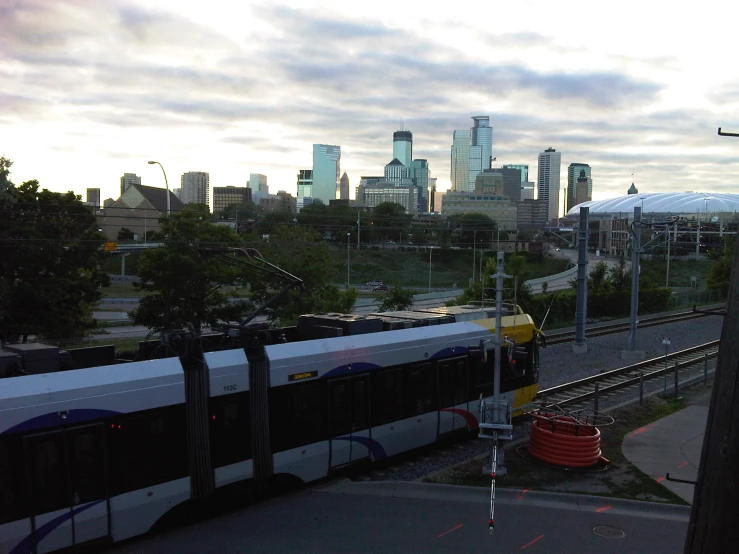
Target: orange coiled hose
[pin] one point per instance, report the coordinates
(564, 441)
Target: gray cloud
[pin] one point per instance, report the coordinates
(325, 78)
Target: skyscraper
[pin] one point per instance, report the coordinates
(573, 173)
(93, 197)
(129, 179)
(225, 196)
(481, 148)
(471, 153)
(524, 169)
(581, 189)
(511, 182)
(326, 171)
(344, 187)
(195, 188)
(420, 173)
(258, 182)
(403, 147)
(305, 185)
(460, 160)
(548, 182)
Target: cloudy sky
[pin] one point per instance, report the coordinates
(94, 88)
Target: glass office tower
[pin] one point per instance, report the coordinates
(326, 171)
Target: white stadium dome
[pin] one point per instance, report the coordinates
(663, 203)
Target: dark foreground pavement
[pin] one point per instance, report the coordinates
(414, 517)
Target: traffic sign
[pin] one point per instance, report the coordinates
(110, 246)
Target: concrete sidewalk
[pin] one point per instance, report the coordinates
(671, 445)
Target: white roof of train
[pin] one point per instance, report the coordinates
(383, 349)
(105, 388)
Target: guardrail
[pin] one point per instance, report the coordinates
(539, 280)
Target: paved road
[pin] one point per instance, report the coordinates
(415, 517)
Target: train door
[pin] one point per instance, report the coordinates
(348, 419)
(66, 471)
(453, 412)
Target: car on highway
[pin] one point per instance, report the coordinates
(380, 288)
(375, 283)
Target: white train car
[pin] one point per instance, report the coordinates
(103, 453)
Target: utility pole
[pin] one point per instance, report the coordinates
(581, 310)
(358, 214)
(632, 354)
(715, 510)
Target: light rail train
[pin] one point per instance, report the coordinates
(103, 452)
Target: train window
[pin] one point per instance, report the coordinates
(446, 385)
(296, 416)
(360, 404)
(341, 410)
(460, 382)
(87, 475)
(230, 431)
(452, 382)
(49, 474)
(387, 396)
(12, 481)
(481, 376)
(148, 449)
(419, 395)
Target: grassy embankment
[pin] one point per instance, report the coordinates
(411, 269)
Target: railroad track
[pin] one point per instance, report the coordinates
(613, 328)
(688, 363)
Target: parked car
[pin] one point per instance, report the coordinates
(380, 288)
(374, 283)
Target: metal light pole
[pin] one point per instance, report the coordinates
(581, 306)
(635, 247)
(166, 184)
(431, 249)
(474, 254)
(348, 249)
(666, 343)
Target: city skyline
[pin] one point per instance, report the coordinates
(629, 95)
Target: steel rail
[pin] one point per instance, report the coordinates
(627, 376)
(613, 328)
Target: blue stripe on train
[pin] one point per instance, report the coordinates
(29, 544)
(377, 450)
(55, 419)
(359, 367)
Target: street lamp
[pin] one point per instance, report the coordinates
(166, 184)
(474, 254)
(431, 249)
(348, 250)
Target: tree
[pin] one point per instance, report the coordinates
(300, 252)
(396, 299)
(471, 227)
(242, 211)
(388, 220)
(719, 276)
(598, 280)
(620, 277)
(124, 233)
(185, 283)
(50, 265)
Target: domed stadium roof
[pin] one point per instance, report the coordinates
(663, 203)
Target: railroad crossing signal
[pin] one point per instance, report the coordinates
(110, 246)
